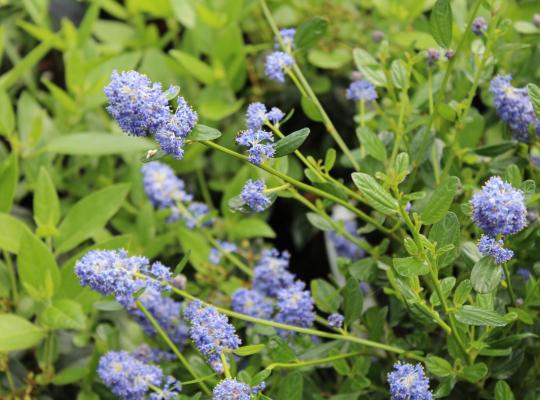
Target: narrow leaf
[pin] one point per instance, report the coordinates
(291, 142)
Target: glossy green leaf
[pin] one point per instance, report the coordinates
(193, 66)
(319, 222)
(326, 297)
(462, 292)
(473, 373)
(534, 95)
(9, 177)
(64, 314)
(46, 202)
(310, 32)
(410, 266)
(441, 23)
(11, 232)
(439, 366)
(18, 334)
(446, 232)
(486, 275)
(291, 142)
(471, 315)
(353, 300)
(371, 144)
(503, 391)
(374, 193)
(440, 201)
(203, 132)
(291, 387)
(249, 349)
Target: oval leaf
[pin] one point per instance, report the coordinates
(374, 193)
(440, 201)
(291, 142)
(18, 334)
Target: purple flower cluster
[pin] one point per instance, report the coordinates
(408, 382)
(276, 64)
(433, 55)
(216, 253)
(166, 312)
(514, 106)
(231, 389)
(211, 333)
(141, 107)
(335, 320)
(165, 190)
(257, 115)
(148, 355)
(253, 195)
(361, 90)
(131, 379)
(276, 289)
(344, 247)
(287, 35)
(479, 26)
(499, 209)
(113, 272)
(260, 144)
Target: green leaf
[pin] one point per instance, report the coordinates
(310, 32)
(398, 70)
(374, 193)
(319, 222)
(503, 391)
(193, 66)
(11, 232)
(291, 387)
(512, 175)
(18, 334)
(202, 132)
(46, 203)
(248, 228)
(38, 271)
(494, 150)
(447, 284)
(371, 144)
(291, 142)
(353, 300)
(70, 375)
(249, 350)
(462, 292)
(473, 373)
(471, 315)
(440, 201)
(486, 275)
(310, 109)
(410, 266)
(64, 314)
(439, 366)
(280, 351)
(326, 297)
(441, 23)
(7, 116)
(330, 159)
(446, 232)
(97, 144)
(534, 94)
(9, 177)
(184, 12)
(89, 215)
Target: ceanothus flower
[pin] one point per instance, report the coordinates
(148, 355)
(253, 195)
(479, 26)
(492, 247)
(344, 247)
(275, 115)
(172, 135)
(524, 273)
(276, 65)
(126, 376)
(162, 186)
(271, 273)
(138, 105)
(433, 55)
(499, 208)
(514, 106)
(113, 272)
(335, 320)
(169, 391)
(211, 333)
(295, 307)
(231, 389)
(166, 312)
(259, 143)
(287, 35)
(251, 302)
(408, 382)
(195, 215)
(361, 90)
(256, 115)
(216, 253)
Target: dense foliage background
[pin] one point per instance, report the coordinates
(70, 182)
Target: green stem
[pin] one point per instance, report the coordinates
(226, 369)
(297, 83)
(204, 188)
(309, 91)
(362, 113)
(11, 383)
(430, 90)
(277, 188)
(509, 284)
(318, 361)
(12, 276)
(308, 188)
(172, 346)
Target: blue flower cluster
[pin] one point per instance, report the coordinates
(361, 90)
(216, 254)
(257, 115)
(149, 355)
(113, 272)
(211, 333)
(276, 289)
(167, 313)
(335, 320)
(408, 382)
(231, 389)
(253, 195)
(287, 35)
(499, 209)
(277, 63)
(433, 55)
(260, 144)
(479, 26)
(165, 190)
(514, 106)
(131, 379)
(141, 107)
(344, 247)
